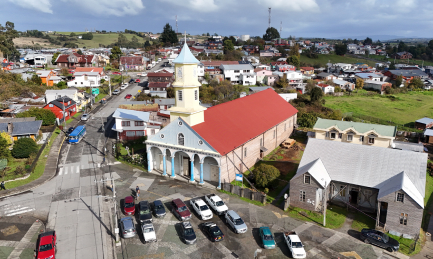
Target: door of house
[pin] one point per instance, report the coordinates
(214, 173)
(185, 166)
(383, 213)
(161, 163)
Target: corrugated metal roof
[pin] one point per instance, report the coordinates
(131, 115)
(22, 128)
(237, 67)
(369, 166)
(317, 170)
(360, 127)
(425, 120)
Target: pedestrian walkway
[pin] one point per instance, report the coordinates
(25, 240)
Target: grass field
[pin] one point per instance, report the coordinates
(403, 109)
(323, 59)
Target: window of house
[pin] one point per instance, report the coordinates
(340, 135)
(152, 131)
(236, 71)
(327, 134)
(139, 133)
(75, 82)
(361, 138)
(196, 95)
(370, 140)
(180, 139)
(342, 191)
(139, 123)
(126, 123)
(50, 105)
(349, 137)
(333, 135)
(307, 179)
(81, 82)
(245, 151)
(179, 95)
(302, 196)
(130, 133)
(403, 218)
(400, 197)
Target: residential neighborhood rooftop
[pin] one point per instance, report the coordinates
(360, 127)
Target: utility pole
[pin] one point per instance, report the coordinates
(324, 204)
(109, 84)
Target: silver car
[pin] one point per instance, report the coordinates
(85, 117)
(235, 221)
(127, 227)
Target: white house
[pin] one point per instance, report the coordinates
(131, 125)
(85, 79)
(289, 96)
(327, 89)
(245, 37)
(233, 73)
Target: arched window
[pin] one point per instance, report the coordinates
(180, 139)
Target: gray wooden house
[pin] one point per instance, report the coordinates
(387, 182)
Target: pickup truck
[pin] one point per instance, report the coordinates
(295, 245)
(216, 203)
(202, 209)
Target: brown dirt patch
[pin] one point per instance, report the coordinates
(28, 41)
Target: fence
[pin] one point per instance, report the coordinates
(244, 192)
(35, 161)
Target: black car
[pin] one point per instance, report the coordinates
(144, 211)
(377, 238)
(131, 81)
(69, 131)
(159, 209)
(188, 233)
(213, 231)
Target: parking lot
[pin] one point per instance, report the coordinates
(319, 242)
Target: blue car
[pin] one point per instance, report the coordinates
(267, 238)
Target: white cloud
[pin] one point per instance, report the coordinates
(41, 5)
(203, 6)
(291, 6)
(108, 8)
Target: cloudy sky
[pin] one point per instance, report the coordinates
(300, 18)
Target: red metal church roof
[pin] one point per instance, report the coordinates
(228, 125)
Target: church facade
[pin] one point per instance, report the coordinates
(213, 144)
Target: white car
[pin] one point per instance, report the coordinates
(216, 203)
(295, 245)
(124, 86)
(202, 209)
(149, 234)
(116, 92)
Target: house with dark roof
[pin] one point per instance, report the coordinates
(63, 105)
(75, 60)
(21, 129)
(402, 55)
(424, 123)
(385, 182)
(133, 63)
(213, 144)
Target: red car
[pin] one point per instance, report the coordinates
(129, 205)
(46, 245)
(128, 96)
(180, 210)
(137, 80)
(116, 73)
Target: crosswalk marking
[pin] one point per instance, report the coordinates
(61, 171)
(11, 210)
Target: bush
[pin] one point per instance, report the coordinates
(264, 174)
(19, 170)
(24, 147)
(47, 116)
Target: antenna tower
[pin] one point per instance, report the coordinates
(281, 27)
(269, 25)
(176, 25)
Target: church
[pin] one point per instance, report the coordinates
(214, 144)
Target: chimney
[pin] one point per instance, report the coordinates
(10, 128)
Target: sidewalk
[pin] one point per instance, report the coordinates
(427, 250)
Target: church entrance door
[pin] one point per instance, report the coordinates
(185, 166)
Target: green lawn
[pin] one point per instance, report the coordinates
(258, 203)
(404, 108)
(335, 216)
(323, 59)
(403, 61)
(362, 221)
(407, 245)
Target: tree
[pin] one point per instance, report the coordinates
(46, 116)
(282, 83)
(79, 52)
(416, 83)
(306, 119)
(391, 66)
(228, 45)
(72, 34)
(122, 41)
(4, 148)
(87, 36)
(316, 94)
(168, 35)
(64, 72)
(6, 136)
(147, 44)
(310, 85)
(36, 79)
(368, 41)
(398, 81)
(340, 49)
(271, 33)
(7, 46)
(264, 174)
(115, 53)
(55, 55)
(294, 51)
(294, 60)
(170, 92)
(359, 84)
(24, 147)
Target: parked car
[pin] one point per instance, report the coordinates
(180, 210)
(144, 215)
(377, 238)
(235, 222)
(131, 81)
(127, 227)
(137, 80)
(116, 92)
(295, 245)
(46, 245)
(124, 86)
(201, 208)
(188, 233)
(30, 70)
(149, 234)
(159, 209)
(216, 203)
(267, 238)
(129, 205)
(116, 73)
(128, 96)
(69, 131)
(213, 231)
(85, 117)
